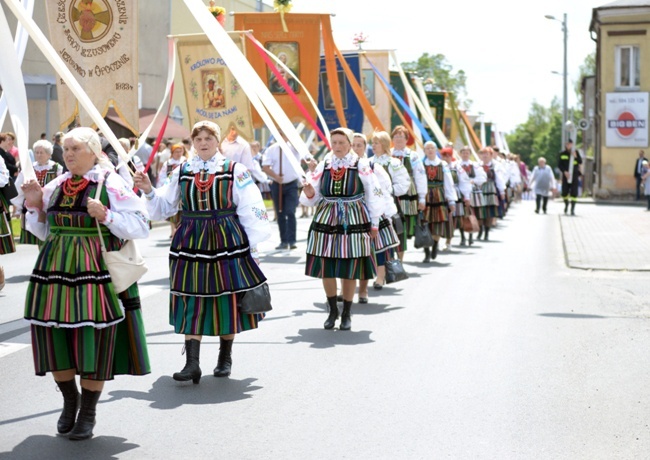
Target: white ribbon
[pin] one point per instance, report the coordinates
(257, 92)
(62, 70)
(426, 111)
(20, 43)
(13, 87)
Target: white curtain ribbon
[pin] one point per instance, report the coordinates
(422, 101)
(62, 70)
(257, 92)
(13, 87)
(20, 43)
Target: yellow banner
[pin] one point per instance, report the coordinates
(211, 91)
(98, 41)
(297, 49)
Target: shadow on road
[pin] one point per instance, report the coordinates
(55, 447)
(166, 393)
(571, 315)
(17, 279)
(321, 338)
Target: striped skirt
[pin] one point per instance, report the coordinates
(27, 237)
(210, 262)
(408, 202)
(7, 245)
(96, 354)
(339, 241)
(386, 237)
(436, 210)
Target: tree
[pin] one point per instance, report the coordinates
(540, 135)
(439, 75)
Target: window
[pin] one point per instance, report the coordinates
(627, 67)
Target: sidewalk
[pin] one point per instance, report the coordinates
(607, 237)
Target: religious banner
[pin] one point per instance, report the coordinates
(211, 91)
(354, 115)
(373, 88)
(294, 48)
(98, 41)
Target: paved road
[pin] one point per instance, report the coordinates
(498, 351)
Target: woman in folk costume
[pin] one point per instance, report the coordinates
(349, 203)
(46, 170)
(79, 324)
(440, 201)
(477, 178)
(7, 245)
(400, 182)
(493, 189)
(223, 218)
(178, 157)
(463, 187)
(414, 200)
(386, 236)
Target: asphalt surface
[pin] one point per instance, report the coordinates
(495, 351)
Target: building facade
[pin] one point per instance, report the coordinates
(621, 30)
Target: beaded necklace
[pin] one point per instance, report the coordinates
(71, 186)
(203, 185)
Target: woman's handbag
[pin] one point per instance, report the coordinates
(125, 266)
(470, 223)
(395, 271)
(257, 300)
(423, 238)
(9, 191)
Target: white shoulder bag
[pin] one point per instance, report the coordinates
(126, 266)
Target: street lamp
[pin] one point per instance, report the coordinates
(564, 75)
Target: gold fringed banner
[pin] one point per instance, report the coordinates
(211, 91)
(295, 49)
(98, 41)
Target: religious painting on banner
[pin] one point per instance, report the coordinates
(98, 41)
(211, 91)
(351, 107)
(293, 48)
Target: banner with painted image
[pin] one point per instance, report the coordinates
(294, 48)
(98, 41)
(351, 107)
(211, 91)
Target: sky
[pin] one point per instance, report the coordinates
(507, 48)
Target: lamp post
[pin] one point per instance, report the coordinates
(564, 76)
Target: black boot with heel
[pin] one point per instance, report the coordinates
(224, 362)
(333, 315)
(71, 401)
(83, 428)
(427, 256)
(191, 371)
(346, 318)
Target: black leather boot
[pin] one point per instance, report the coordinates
(83, 428)
(480, 233)
(573, 208)
(434, 250)
(487, 233)
(224, 362)
(71, 402)
(334, 313)
(427, 256)
(566, 206)
(471, 239)
(346, 320)
(462, 238)
(191, 371)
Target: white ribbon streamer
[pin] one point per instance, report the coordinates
(20, 43)
(13, 87)
(62, 70)
(257, 92)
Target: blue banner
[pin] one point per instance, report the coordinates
(351, 107)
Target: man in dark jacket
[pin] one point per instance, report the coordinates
(569, 165)
(638, 172)
(10, 161)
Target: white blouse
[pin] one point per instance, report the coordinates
(417, 170)
(399, 175)
(479, 173)
(20, 198)
(164, 201)
(127, 217)
(372, 189)
(464, 182)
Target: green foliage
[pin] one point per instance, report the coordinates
(438, 75)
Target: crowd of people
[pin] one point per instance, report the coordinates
(368, 198)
